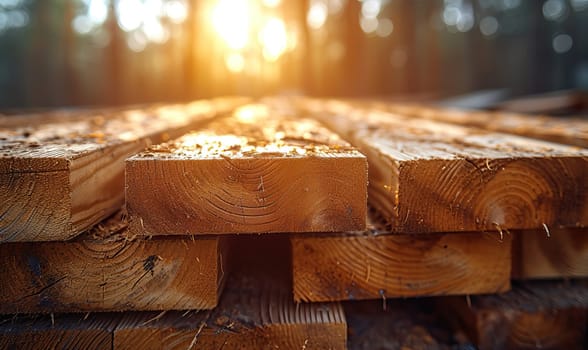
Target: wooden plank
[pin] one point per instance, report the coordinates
(61, 331)
(551, 315)
(565, 130)
(256, 172)
(106, 270)
(427, 176)
(400, 324)
(559, 253)
(377, 265)
(253, 314)
(59, 179)
(29, 118)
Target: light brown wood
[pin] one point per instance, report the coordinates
(427, 176)
(58, 179)
(114, 272)
(93, 332)
(253, 314)
(256, 172)
(550, 253)
(566, 130)
(549, 315)
(378, 265)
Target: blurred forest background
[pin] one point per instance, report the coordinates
(110, 52)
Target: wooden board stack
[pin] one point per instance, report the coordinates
(60, 178)
(433, 178)
(247, 172)
(454, 210)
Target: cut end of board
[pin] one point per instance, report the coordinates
(252, 174)
(106, 270)
(378, 264)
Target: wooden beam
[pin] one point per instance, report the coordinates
(549, 315)
(253, 314)
(256, 172)
(565, 130)
(397, 324)
(427, 176)
(58, 179)
(107, 270)
(551, 253)
(378, 265)
(60, 331)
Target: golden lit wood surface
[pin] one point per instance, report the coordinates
(59, 331)
(377, 265)
(547, 315)
(58, 179)
(255, 172)
(107, 270)
(565, 130)
(427, 176)
(253, 314)
(557, 253)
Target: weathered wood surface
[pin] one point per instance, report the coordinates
(106, 270)
(427, 176)
(377, 265)
(547, 315)
(253, 314)
(566, 130)
(30, 118)
(58, 179)
(255, 172)
(553, 253)
(67, 331)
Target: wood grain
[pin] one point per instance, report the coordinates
(65, 331)
(378, 265)
(551, 315)
(111, 273)
(57, 179)
(566, 130)
(252, 314)
(256, 172)
(427, 176)
(556, 253)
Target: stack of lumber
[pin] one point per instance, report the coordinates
(227, 223)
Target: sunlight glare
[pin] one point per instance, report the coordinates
(274, 39)
(251, 113)
(98, 11)
(155, 31)
(129, 14)
(317, 14)
(176, 11)
(271, 3)
(235, 62)
(230, 19)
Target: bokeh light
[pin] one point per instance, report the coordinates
(562, 43)
(231, 20)
(317, 14)
(273, 39)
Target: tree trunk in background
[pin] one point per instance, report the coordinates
(189, 86)
(115, 49)
(70, 77)
(353, 67)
